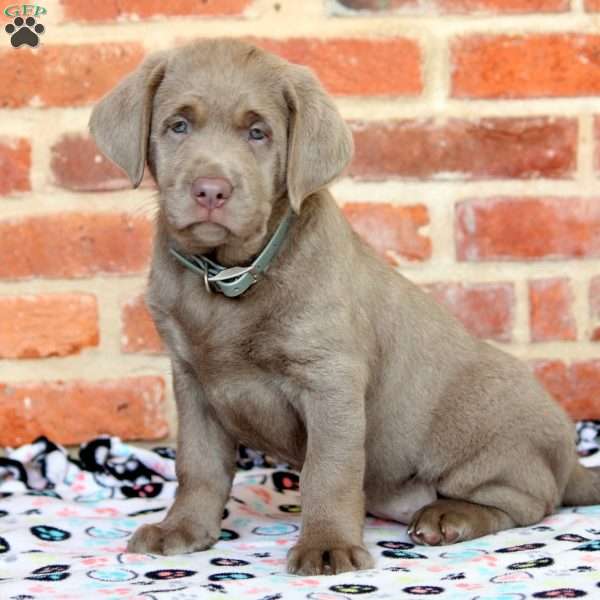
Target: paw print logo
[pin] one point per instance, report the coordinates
(24, 32)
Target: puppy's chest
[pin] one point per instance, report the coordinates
(241, 367)
(222, 345)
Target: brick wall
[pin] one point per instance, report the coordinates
(477, 173)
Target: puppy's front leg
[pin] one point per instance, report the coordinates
(205, 467)
(331, 487)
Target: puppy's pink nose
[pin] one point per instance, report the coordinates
(211, 192)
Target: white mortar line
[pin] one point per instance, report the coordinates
(521, 326)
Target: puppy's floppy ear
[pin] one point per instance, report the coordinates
(319, 142)
(120, 122)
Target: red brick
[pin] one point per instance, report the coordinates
(77, 164)
(459, 6)
(532, 66)
(15, 163)
(391, 230)
(64, 75)
(551, 310)
(74, 245)
(75, 411)
(485, 309)
(594, 297)
(592, 5)
(487, 148)
(354, 66)
(505, 228)
(47, 325)
(139, 332)
(108, 10)
(575, 386)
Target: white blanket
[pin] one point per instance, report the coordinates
(67, 539)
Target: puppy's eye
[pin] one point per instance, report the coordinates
(256, 134)
(179, 126)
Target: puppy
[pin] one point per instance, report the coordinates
(288, 334)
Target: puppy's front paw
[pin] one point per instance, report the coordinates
(328, 559)
(169, 539)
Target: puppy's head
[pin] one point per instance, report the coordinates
(226, 130)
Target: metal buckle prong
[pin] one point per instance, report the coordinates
(206, 282)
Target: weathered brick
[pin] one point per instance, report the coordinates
(575, 386)
(355, 66)
(391, 230)
(75, 411)
(485, 309)
(505, 228)
(74, 245)
(47, 325)
(551, 310)
(138, 330)
(539, 65)
(487, 148)
(458, 6)
(594, 298)
(109, 10)
(77, 164)
(15, 163)
(64, 75)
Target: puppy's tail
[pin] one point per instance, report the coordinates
(583, 487)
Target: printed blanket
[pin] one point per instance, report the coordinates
(64, 523)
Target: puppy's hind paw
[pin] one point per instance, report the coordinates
(447, 522)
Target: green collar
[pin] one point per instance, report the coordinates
(234, 281)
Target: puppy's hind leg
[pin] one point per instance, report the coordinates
(401, 505)
(448, 521)
(583, 487)
(467, 512)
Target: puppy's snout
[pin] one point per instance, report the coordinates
(211, 192)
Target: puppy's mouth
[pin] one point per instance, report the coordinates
(202, 216)
(208, 233)
(199, 229)
(207, 228)
(201, 225)
(206, 225)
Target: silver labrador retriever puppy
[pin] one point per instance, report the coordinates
(330, 359)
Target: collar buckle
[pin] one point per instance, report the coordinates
(234, 281)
